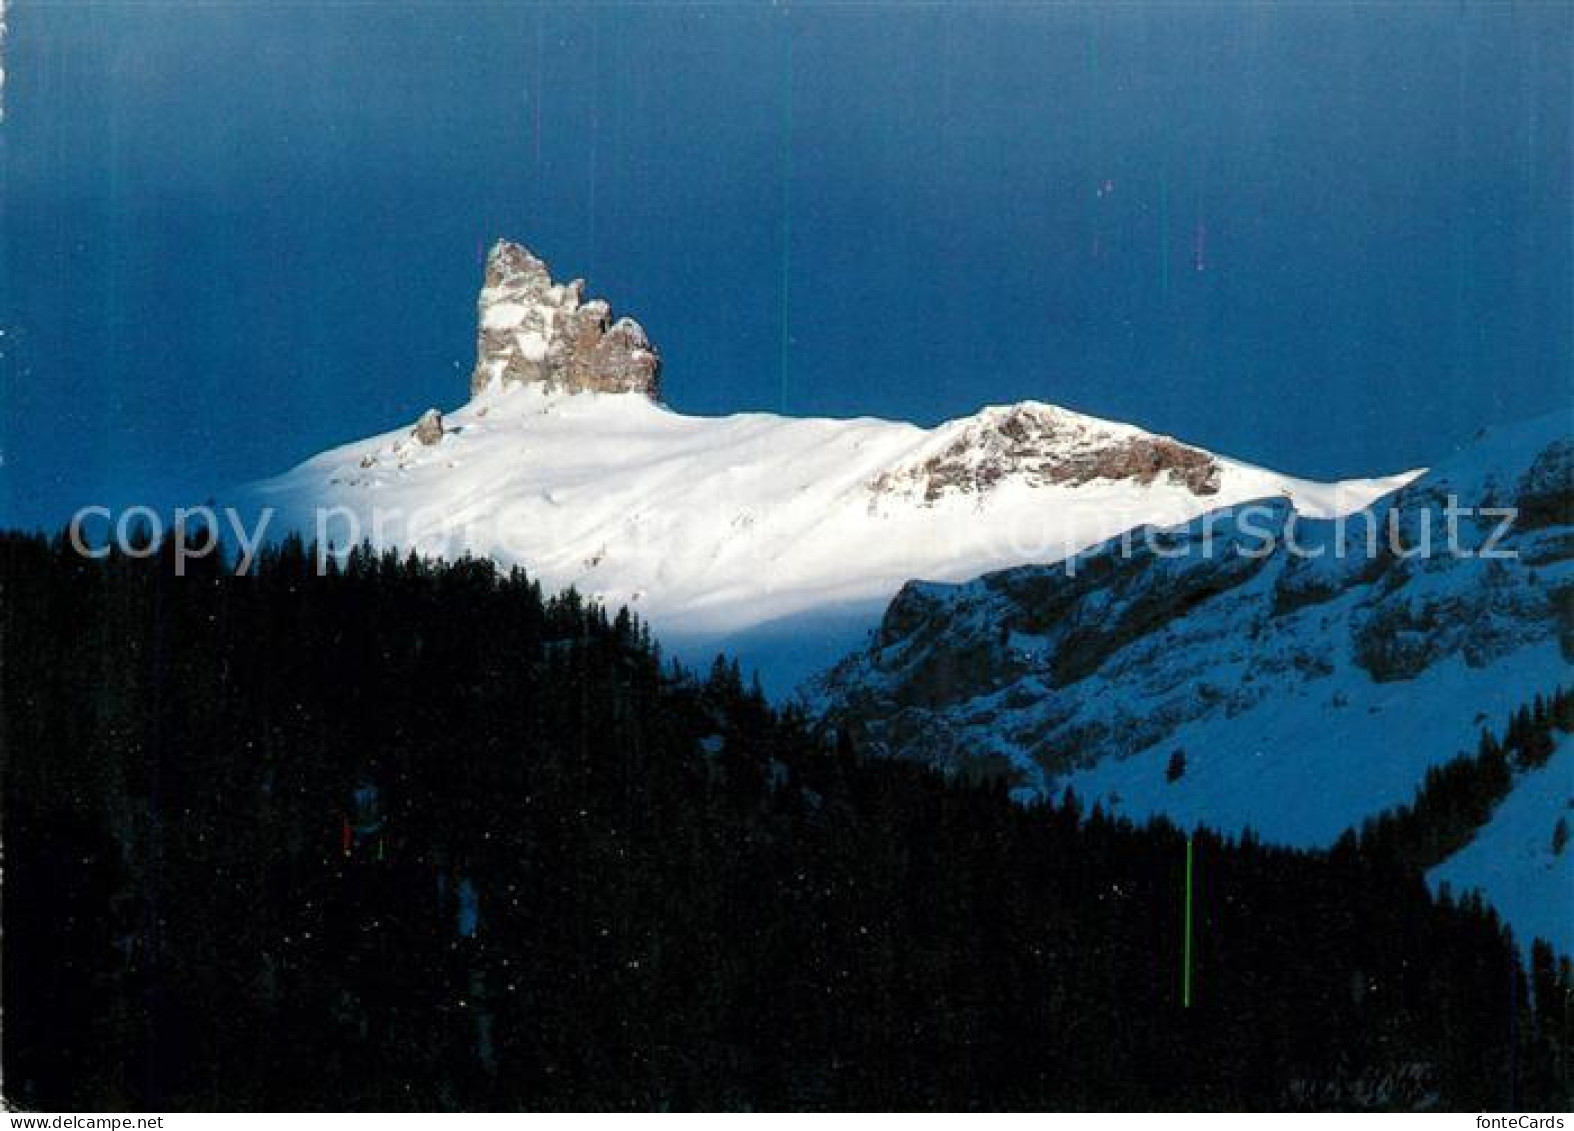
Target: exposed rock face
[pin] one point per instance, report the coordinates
(533, 329)
(1545, 494)
(429, 429)
(1048, 446)
(1053, 668)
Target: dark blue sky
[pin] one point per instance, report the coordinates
(233, 235)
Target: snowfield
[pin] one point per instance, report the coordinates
(1511, 861)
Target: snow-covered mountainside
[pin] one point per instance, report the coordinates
(779, 538)
(1519, 861)
(1279, 676)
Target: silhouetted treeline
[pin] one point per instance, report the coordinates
(415, 836)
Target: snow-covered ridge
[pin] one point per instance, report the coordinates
(718, 524)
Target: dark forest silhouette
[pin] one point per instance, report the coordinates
(413, 835)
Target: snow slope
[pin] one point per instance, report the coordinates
(776, 537)
(1302, 767)
(1511, 862)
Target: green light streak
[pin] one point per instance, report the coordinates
(1186, 961)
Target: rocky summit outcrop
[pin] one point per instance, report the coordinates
(539, 331)
(1048, 446)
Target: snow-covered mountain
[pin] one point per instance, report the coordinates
(1277, 674)
(779, 538)
(1152, 605)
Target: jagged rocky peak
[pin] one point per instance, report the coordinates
(536, 330)
(1047, 445)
